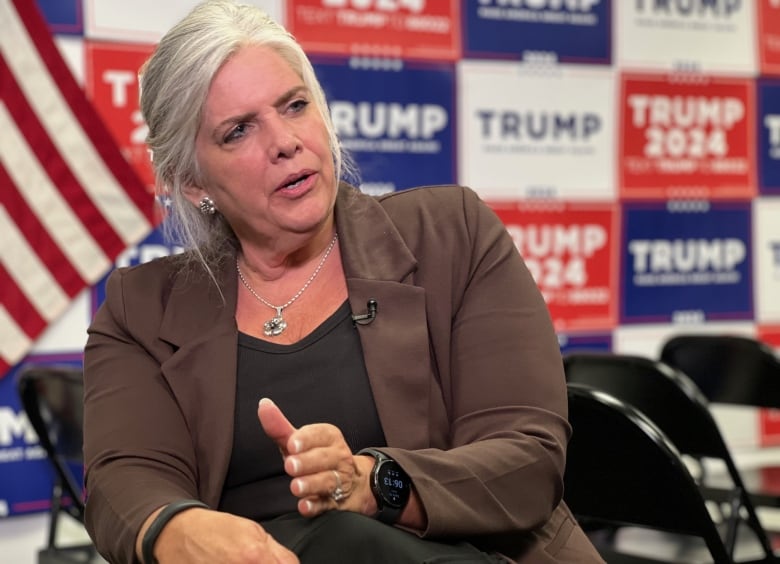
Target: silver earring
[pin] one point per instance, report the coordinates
(207, 206)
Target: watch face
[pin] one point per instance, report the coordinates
(393, 484)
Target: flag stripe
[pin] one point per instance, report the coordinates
(16, 304)
(89, 119)
(69, 200)
(48, 204)
(32, 229)
(24, 266)
(55, 166)
(66, 132)
(14, 343)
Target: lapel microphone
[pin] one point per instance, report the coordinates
(366, 318)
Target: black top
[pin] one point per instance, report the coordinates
(320, 379)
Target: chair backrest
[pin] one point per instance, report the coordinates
(52, 398)
(622, 470)
(667, 396)
(675, 404)
(727, 368)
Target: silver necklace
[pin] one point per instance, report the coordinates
(277, 324)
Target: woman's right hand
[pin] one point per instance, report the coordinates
(202, 535)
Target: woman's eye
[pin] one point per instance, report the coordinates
(298, 106)
(236, 133)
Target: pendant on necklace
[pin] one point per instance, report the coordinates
(275, 325)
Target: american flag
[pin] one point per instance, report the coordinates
(69, 201)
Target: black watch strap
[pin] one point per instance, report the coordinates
(390, 500)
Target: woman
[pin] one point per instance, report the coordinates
(405, 325)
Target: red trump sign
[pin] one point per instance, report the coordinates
(112, 84)
(570, 249)
(409, 29)
(686, 137)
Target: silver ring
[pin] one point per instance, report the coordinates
(337, 494)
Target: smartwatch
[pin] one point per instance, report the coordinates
(390, 485)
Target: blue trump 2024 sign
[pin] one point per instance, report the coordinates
(686, 262)
(26, 475)
(396, 119)
(768, 128)
(574, 32)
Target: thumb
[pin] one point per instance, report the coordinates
(275, 424)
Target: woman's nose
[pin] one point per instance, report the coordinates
(284, 141)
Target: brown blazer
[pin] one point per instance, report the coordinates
(462, 358)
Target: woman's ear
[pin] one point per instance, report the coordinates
(194, 194)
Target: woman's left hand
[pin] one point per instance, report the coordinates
(325, 474)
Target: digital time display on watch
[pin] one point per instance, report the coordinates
(390, 485)
(393, 484)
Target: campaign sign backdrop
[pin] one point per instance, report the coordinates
(770, 334)
(686, 261)
(395, 118)
(146, 21)
(766, 240)
(111, 77)
(768, 127)
(26, 476)
(769, 434)
(154, 246)
(572, 31)
(570, 343)
(63, 16)
(705, 35)
(683, 137)
(530, 131)
(409, 29)
(769, 36)
(570, 249)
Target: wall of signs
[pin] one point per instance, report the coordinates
(632, 148)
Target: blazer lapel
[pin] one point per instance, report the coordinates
(378, 264)
(202, 328)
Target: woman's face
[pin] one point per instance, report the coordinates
(263, 149)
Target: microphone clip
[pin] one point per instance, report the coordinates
(366, 318)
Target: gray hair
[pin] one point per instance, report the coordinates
(174, 83)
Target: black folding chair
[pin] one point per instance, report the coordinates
(731, 369)
(673, 402)
(727, 368)
(623, 471)
(52, 398)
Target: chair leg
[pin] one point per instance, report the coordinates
(732, 523)
(755, 524)
(71, 554)
(54, 513)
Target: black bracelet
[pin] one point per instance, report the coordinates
(154, 530)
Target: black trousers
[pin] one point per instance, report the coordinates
(351, 538)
